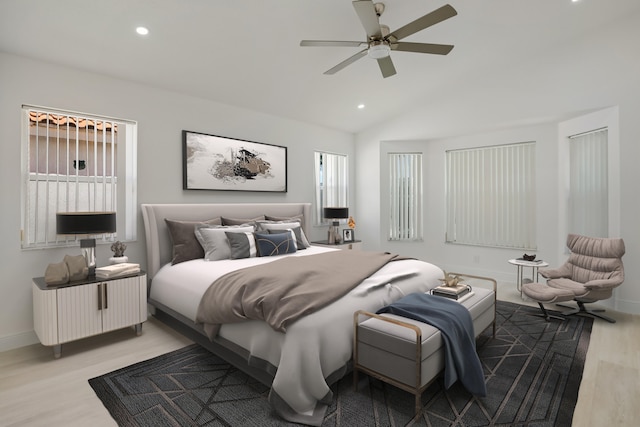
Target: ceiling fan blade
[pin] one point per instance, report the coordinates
(436, 49)
(346, 62)
(445, 12)
(386, 67)
(325, 43)
(369, 18)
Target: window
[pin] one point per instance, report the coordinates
(405, 191)
(331, 183)
(589, 184)
(76, 163)
(490, 196)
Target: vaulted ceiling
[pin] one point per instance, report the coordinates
(247, 53)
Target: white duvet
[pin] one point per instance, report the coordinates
(313, 347)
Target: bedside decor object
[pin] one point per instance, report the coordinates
(118, 257)
(56, 274)
(335, 214)
(351, 223)
(86, 223)
(347, 235)
(449, 280)
(526, 257)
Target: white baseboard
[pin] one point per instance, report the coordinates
(626, 306)
(19, 340)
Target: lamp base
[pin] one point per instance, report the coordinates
(88, 247)
(334, 234)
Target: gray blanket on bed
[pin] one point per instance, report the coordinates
(456, 326)
(282, 291)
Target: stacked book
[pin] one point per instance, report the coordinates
(456, 292)
(117, 270)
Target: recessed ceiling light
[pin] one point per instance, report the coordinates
(143, 31)
(360, 106)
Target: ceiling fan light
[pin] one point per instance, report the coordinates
(379, 51)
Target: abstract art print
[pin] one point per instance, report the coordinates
(213, 162)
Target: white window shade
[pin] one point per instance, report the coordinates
(490, 196)
(405, 191)
(76, 163)
(588, 184)
(332, 182)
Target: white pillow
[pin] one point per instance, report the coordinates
(214, 240)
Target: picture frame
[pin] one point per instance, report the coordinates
(212, 162)
(348, 235)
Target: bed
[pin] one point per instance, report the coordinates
(315, 351)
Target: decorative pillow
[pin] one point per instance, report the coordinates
(301, 239)
(242, 245)
(274, 244)
(240, 221)
(185, 244)
(214, 240)
(290, 231)
(299, 218)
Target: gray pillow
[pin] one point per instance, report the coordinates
(214, 240)
(299, 218)
(185, 245)
(242, 245)
(240, 221)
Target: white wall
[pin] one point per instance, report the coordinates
(161, 117)
(526, 101)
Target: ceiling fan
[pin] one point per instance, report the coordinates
(380, 42)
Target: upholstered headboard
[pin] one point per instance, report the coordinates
(159, 247)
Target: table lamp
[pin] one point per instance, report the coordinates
(88, 223)
(335, 215)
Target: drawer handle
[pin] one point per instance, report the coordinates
(99, 296)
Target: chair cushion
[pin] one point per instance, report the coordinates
(577, 289)
(540, 292)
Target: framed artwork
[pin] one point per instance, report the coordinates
(213, 162)
(347, 235)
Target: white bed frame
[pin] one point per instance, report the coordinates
(159, 253)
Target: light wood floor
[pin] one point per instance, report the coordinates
(37, 390)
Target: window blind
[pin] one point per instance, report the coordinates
(71, 164)
(490, 196)
(332, 182)
(589, 184)
(405, 190)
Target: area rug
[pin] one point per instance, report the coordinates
(532, 368)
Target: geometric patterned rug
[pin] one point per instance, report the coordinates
(532, 369)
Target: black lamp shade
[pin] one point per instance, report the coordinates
(85, 222)
(336, 213)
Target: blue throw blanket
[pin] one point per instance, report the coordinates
(456, 326)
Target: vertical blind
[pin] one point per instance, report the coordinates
(71, 166)
(405, 192)
(332, 182)
(589, 184)
(490, 196)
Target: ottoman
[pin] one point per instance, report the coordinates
(407, 353)
(543, 294)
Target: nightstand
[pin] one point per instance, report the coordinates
(75, 310)
(353, 245)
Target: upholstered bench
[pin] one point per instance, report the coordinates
(407, 353)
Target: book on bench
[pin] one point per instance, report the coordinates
(453, 292)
